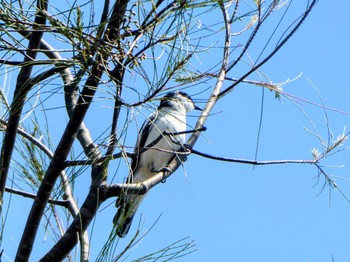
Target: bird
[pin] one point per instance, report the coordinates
(160, 137)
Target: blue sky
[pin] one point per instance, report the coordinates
(236, 212)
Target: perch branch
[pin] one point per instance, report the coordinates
(255, 162)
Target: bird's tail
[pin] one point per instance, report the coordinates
(127, 207)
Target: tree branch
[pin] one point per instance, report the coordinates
(57, 164)
(19, 98)
(69, 201)
(62, 203)
(267, 58)
(67, 77)
(222, 74)
(254, 162)
(98, 172)
(87, 212)
(86, 162)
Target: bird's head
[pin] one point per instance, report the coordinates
(179, 101)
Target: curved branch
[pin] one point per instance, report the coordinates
(178, 66)
(146, 24)
(222, 74)
(255, 162)
(267, 58)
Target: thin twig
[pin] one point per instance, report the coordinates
(254, 162)
(86, 162)
(62, 203)
(267, 58)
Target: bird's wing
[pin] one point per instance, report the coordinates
(141, 141)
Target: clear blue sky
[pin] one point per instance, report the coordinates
(236, 212)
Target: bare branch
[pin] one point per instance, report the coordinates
(178, 66)
(62, 203)
(98, 172)
(21, 91)
(69, 201)
(255, 162)
(99, 160)
(267, 58)
(83, 136)
(88, 210)
(222, 74)
(57, 164)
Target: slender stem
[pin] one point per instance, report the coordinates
(255, 162)
(62, 203)
(267, 58)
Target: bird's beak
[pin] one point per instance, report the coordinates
(198, 108)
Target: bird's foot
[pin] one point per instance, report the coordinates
(165, 170)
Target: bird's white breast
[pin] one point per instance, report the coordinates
(156, 158)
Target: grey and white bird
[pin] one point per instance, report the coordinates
(155, 149)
